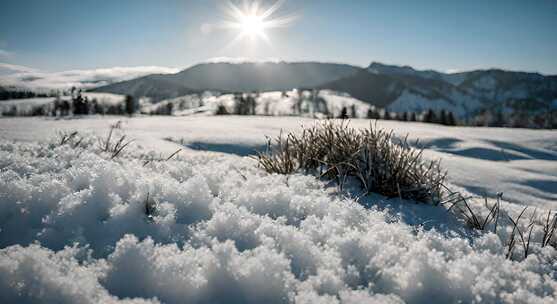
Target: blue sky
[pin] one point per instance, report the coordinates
(60, 35)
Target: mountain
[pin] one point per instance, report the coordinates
(397, 88)
(156, 86)
(233, 77)
(402, 88)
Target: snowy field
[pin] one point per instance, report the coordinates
(208, 226)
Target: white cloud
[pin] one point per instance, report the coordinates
(8, 69)
(20, 76)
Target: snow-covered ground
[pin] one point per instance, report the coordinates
(276, 103)
(211, 227)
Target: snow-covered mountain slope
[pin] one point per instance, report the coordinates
(210, 226)
(402, 88)
(399, 88)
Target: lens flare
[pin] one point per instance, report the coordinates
(252, 20)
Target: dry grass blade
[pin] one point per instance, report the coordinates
(374, 157)
(150, 208)
(115, 149)
(512, 238)
(173, 154)
(65, 137)
(549, 227)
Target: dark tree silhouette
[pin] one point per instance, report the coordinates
(130, 105)
(450, 119)
(221, 110)
(430, 117)
(343, 113)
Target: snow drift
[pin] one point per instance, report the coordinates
(78, 227)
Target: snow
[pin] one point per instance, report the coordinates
(25, 105)
(74, 227)
(274, 103)
(460, 104)
(105, 98)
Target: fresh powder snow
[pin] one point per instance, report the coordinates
(209, 226)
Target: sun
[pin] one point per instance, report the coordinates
(253, 21)
(252, 26)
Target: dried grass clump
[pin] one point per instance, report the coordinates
(379, 161)
(112, 145)
(522, 228)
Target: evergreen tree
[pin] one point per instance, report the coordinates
(169, 108)
(343, 113)
(450, 119)
(130, 105)
(430, 117)
(221, 110)
(443, 117)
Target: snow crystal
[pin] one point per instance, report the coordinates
(78, 227)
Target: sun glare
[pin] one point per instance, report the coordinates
(252, 20)
(252, 26)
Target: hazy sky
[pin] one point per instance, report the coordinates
(445, 35)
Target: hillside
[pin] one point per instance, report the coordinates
(232, 77)
(324, 103)
(398, 88)
(402, 88)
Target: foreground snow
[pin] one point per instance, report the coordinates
(78, 227)
(521, 163)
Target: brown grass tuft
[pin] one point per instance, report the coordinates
(379, 161)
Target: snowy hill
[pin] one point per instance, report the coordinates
(321, 103)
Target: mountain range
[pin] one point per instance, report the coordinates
(397, 88)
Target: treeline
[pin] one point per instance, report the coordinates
(73, 105)
(544, 117)
(23, 94)
(430, 116)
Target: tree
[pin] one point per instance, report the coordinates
(169, 108)
(443, 117)
(372, 114)
(387, 115)
(450, 119)
(221, 110)
(343, 113)
(78, 103)
(430, 117)
(130, 105)
(413, 116)
(404, 116)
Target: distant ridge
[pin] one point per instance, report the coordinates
(233, 77)
(398, 88)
